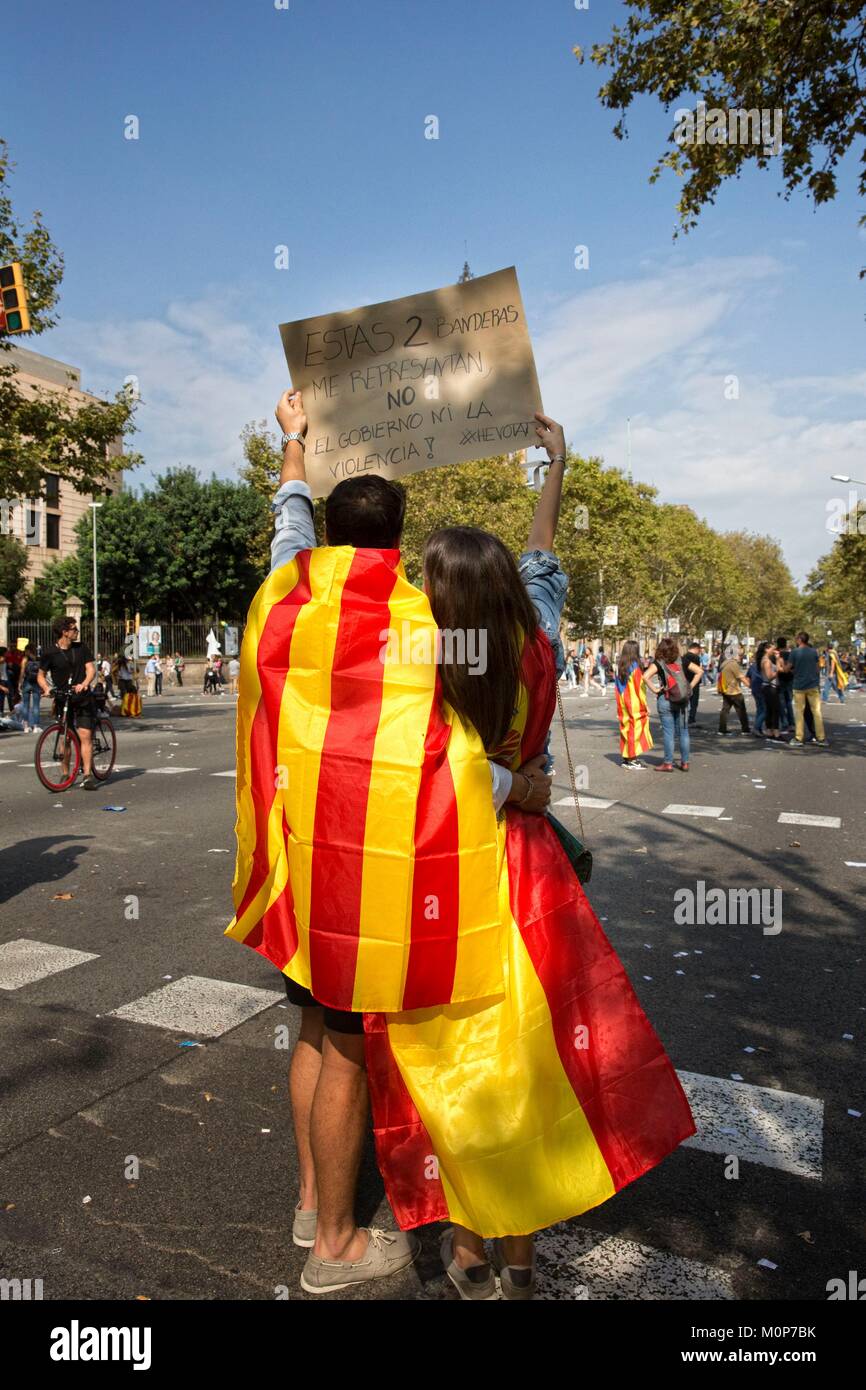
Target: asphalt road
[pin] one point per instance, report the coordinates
(90, 1097)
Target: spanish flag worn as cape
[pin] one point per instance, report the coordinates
(367, 844)
(508, 1115)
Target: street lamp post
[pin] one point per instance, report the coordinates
(95, 507)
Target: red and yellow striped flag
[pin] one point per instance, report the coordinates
(507, 1117)
(631, 707)
(367, 862)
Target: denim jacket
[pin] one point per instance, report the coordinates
(546, 583)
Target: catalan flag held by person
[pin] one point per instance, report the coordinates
(367, 847)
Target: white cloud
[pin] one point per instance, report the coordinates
(661, 350)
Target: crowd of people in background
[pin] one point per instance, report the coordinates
(787, 683)
(116, 677)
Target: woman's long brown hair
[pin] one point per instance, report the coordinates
(474, 587)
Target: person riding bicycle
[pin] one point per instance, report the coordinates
(70, 661)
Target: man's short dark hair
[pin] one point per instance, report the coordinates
(695, 643)
(803, 637)
(60, 626)
(366, 512)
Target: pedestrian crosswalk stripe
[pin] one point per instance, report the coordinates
(23, 962)
(676, 808)
(575, 1263)
(794, 818)
(172, 769)
(231, 773)
(757, 1123)
(587, 803)
(194, 1004)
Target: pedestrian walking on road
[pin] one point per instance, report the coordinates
(151, 671)
(631, 707)
(834, 677)
(674, 692)
(234, 672)
(804, 664)
(693, 666)
(179, 668)
(766, 661)
(786, 686)
(31, 694)
(731, 678)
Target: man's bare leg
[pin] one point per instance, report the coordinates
(337, 1126)
(304, 1072)
(86, 740)
(468, 1248)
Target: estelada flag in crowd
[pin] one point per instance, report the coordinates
(367, 862)
(635, 736)
(508, 1115)
(836, 670)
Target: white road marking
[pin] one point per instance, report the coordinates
(23, 962)
(676, 809)
(587, 803)
(854, 864)
(172, 769)
(197, 1005)
(232, 772)
(589, 1265)
(757, 1123)
(794, 818)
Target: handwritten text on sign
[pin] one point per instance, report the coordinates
(414, 383)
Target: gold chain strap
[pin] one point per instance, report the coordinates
(568, 760)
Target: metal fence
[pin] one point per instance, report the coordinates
(188, 638)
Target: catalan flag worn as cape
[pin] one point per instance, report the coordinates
(509, 1115)
(631, 707)
(367, 856)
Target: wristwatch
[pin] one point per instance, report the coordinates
(287, 438)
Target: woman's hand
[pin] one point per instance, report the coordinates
(551, 436)
(290, 413)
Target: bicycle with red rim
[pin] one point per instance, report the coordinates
(58, 752)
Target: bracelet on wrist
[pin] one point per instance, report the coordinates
(294, 435)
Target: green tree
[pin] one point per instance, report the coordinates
(181, 548)
(769, 603)
(13, 566)
(804, 59)
(45, 431)
(491, 493)
(45, 596)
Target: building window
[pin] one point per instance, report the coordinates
(52, 490)
(52, 531)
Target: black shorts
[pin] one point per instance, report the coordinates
(81, 716)
(337, 1020)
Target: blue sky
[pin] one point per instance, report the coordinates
(305, 127)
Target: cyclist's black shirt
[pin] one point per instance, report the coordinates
(61, 664)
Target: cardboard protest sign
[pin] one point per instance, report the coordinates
(415, 383)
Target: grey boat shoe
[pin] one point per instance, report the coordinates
(515, 1281)
(387, 1253)
(304, 1228)
(475, 1283)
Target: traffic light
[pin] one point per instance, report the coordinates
(14, 317)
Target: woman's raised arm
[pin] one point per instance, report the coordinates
(543, 529)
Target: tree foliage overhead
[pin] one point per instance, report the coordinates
(805, 58)
(46, 430)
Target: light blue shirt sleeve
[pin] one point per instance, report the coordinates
(293, 522)
(547, 584)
